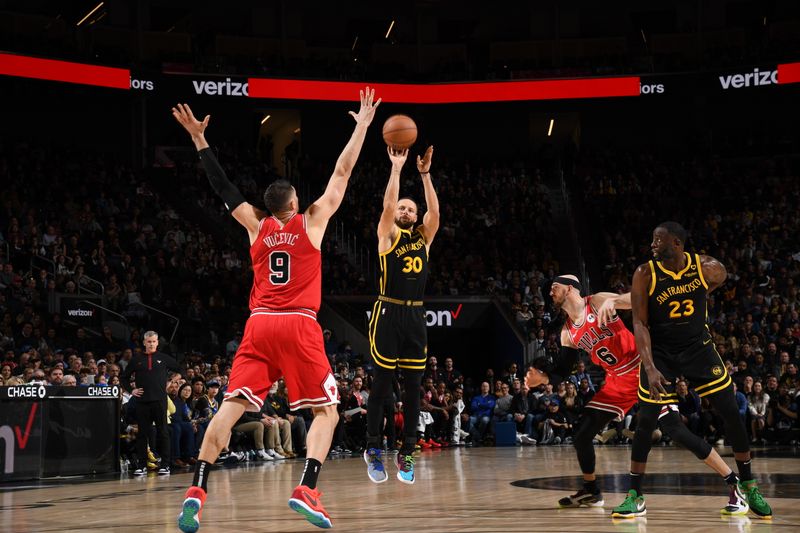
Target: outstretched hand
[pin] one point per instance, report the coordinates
(424, 162)
(183, 114)
(606, 312)
(367, 111)
(397, 157)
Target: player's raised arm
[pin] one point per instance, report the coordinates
(714, 272)
(430, 223)
(386, 226)
(244, 213)
(326, 205)
(642, 279)
(607, 304)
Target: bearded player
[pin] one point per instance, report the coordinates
(593, 325)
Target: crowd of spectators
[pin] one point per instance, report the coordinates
(69, 220)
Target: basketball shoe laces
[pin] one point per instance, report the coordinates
(375, 459)
(407, 463)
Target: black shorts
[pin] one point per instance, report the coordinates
(398, 336)
(700, 364)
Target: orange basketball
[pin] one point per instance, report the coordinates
(399, 132)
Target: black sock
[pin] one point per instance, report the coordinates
(731, 479)
(591, 486)
(745, 474)
(310, 473)
(201, 471)
(636, 483)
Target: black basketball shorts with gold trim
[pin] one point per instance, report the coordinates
(700, 364)
(398, 336)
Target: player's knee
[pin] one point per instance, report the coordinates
(583, 436)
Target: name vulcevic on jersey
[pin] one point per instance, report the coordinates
(281, 238)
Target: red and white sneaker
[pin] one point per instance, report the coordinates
(306, 501)
(189, 519)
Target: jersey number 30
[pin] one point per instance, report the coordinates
(412, 264)
(279, 268)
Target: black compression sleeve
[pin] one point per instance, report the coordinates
(219, 181)
(562, 367)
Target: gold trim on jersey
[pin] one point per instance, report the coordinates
(384, 273)
(671, 397)
(414, 303)
(712, 391)
(373, 349)
(700, 272)
(677, 275)
(416, 366)
(726, 379)
(394, 244)
(652, 278)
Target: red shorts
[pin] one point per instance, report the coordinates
(285, 344)
(617, 395)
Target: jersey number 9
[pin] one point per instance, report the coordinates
(279, 268)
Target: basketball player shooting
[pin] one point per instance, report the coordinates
(282, 336)
(397, 329)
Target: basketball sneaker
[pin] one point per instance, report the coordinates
(737, 503)
(189, 519)
(632, 507)
(405, 468)
(580, 498)
(307, 502)
(758, 505)
(375, 469)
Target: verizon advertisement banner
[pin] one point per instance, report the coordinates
(80, 309)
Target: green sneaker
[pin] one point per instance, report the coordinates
(757, 503)
(632, 507)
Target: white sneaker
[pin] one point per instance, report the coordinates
(528, 441)
(264, 456)
(275, 455)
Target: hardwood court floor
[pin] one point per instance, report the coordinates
(461, 490)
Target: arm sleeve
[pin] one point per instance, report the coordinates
(219, 181)
(562, 366)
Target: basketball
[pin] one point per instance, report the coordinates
(399, 132)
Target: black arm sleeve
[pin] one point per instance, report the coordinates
(563, 365)
(219, 181)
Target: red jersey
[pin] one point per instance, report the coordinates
(611, 346)
(287, 269)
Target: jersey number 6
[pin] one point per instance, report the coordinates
(279, 268)
(606, 356)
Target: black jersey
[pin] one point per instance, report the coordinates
(404, 267)
(677, 306)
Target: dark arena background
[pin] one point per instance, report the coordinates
(564, 133)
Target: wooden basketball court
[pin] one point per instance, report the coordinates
(460, 490)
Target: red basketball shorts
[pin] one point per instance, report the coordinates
(284, 344)
(617, 395)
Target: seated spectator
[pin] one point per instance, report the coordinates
(56, 376)
(481, 409)
(297, 422)
(782, 417)
(451, 376)
(689, 407)
(183, 431)
(581, 374)
(502, 407)
(555, 426)
(757, 405)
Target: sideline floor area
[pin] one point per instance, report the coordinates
(457, 490)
